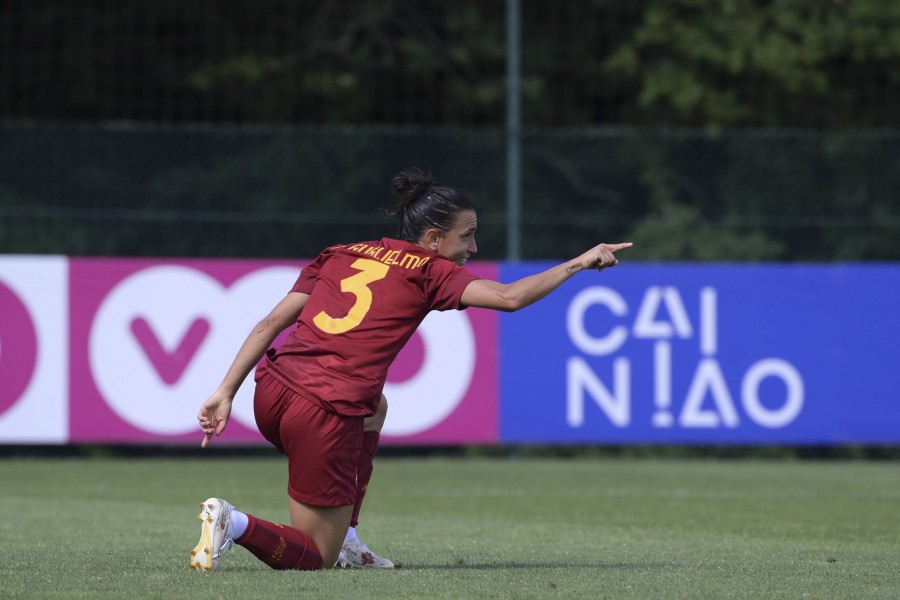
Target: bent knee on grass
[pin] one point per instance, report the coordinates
(325, 525)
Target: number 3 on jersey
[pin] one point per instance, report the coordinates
(358, 285)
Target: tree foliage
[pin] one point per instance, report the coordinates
(679, 63)
(774, 63)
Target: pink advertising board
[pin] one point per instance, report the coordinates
(149, 340)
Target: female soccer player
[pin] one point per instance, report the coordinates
(355, 307)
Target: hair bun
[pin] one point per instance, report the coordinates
(410, 183)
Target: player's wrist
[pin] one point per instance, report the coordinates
(226, 393)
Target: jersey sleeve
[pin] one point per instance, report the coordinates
(310, 273)
(447, 282)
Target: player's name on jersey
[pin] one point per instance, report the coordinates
(390, 257)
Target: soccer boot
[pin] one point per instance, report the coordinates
(215, 535)
(356, 555)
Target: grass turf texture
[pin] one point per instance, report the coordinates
(467, 528)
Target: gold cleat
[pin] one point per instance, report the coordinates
(215, 535)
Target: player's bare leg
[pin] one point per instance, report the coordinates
(326, 526)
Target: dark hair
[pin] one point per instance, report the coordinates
(424, 203)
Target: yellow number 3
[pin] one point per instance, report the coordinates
(369, 271)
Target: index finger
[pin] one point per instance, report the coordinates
(621, 246)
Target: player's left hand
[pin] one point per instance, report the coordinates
(213, 416)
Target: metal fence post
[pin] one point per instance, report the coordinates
(513, 131)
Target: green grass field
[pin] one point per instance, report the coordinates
(468, 528)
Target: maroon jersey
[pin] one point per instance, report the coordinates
(366, 300)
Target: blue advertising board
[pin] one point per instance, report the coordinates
(707, 354)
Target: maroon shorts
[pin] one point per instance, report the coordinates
(322, 446)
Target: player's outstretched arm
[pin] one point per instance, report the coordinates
(509, 297)
(215, 412)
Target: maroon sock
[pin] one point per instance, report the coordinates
(280, 546)
(364, 471)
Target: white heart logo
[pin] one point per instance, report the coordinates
(163, 338)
